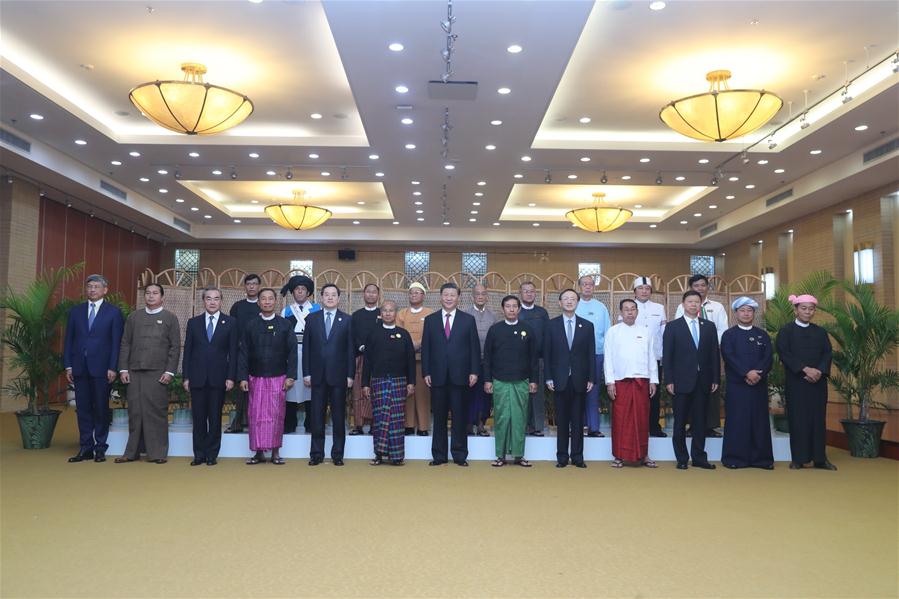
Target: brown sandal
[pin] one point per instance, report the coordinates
(498, 463)
(523, 463)
(616, 463)
(649, 463)
(123, 460)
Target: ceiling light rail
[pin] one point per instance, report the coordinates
(447, 52)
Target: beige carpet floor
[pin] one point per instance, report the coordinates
(144, 530)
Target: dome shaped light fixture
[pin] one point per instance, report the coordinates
(721, 113)
(598, 218)
(191, 106)
(297, 215)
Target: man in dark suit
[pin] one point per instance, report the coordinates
(692, 370)
(569, 348)
(90, 357)
(329, 367)
(244, 311)
(208, 370)
(450, 360)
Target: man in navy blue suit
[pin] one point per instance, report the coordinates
(90, 357)
(329, 367)
(692, 369)
(208, 370)
(450, 361)
(569, 350)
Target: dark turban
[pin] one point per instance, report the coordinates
(297, 280)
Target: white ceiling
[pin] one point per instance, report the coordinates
(616, 62)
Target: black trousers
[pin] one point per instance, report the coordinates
(569, 407)
(655, 408)
(444, 399)
(92, 410)
(807, 415)
(241, 400)
(694, 406)
(206, 407)
(322, 397)
(290, 416)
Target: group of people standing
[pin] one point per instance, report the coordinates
(405, 365)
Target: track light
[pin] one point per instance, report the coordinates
(803, 123)
(604, 179)
(714, 180)
(745, 158)
(289, 174)
(233, 173)
(895, 63)
(548, 178)
(659, 179)
(177, 174)
(771, 143)
(845, 95)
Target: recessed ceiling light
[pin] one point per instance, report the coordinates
(410, 146)
(115, 162)
(194, 154)
(179, 200)
(638, 205)
(416, 193)
(396, 47)
(406, 121)
(514, 49)
(532, 204)
(313, 156)
(750, 186)
(254, 201)
(37, 117)
(713, 206)
(683, 222)
(253, 155)
(762, 162)
(481, 183)
(584, 120)
(475, 203)
(861, 128)
(80, 142)
(355, 222)
(849, 211)
(315, 115)
(325, 174)
(495, 224)
(420, 219)
(525, 158)
(644, 160)
(518, 176)
(653, 226)
(377, 174)
(449, 167)
(271, 173)
(162, 171)
(144, 180)
(416, 183)
(216, 172)
(479, 194)
(697, 214)
(496, 122)
(418, 202)
(473, 212)
(729, 197)
(679, 178)
(134, 154)
(419, 211)
(789, 230)
(163, 190)
(446, 223)
(361, 203)
(626, 178)
(401, 89)
(503, 91)
(535, 224)
(472, 220)
(779, 170)
(256, 1)
(814, 152)
(237, 221)
(572, 176)
(761, 241)
(703, 161)
(373, 156)
(657, 5)
(490, 147)
(194, 209)
(585, 159)
(733, 178)
(207, 216)
(396, 222)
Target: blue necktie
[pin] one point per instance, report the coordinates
(694, 330)
(570, 334)
(209, 329)
(91, 315)
(327, 325)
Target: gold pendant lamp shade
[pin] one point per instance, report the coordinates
(191, 106)
(598, 218)
(721, 113)
(296, 215)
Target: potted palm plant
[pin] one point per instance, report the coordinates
(179, 399)
(36, 318)
(864, 332)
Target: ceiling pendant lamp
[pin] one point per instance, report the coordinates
(191, 106)
(598, 218)
(297, 215)
(721, 113)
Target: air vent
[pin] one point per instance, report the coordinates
(181, 224)
(11, 139)
(887, 148)
(708, 229)
(452, 90)
(113, 190)
(779, 197)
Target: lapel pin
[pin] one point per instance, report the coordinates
(158, 322)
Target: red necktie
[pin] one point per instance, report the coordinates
(446, 327)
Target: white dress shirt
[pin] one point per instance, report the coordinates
(629, 354)
(713, 311)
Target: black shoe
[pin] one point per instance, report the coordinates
(436, 463)
(767, 467)
(409, 431)
(337, 462)
(211, 462)
(704, 465)
(580, 465)
(233, 431)
(355, 431)
(100, 456)
(422, 433)
(560, 464)
(731, 466)
(595, 434)
(682, 466)
(462, 463)
(197, 461)
(315, 462)
(795, 466)
(712, 433)
(661, 434)
(825, 466)
(89, 455)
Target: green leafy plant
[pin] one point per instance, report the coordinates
(865, 333)
(37, 316)
(118, 390)
(177, 395)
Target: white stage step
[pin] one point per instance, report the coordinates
(359, 447)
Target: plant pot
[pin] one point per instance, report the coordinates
(182, 417)
(37, 429)
(781, 423)
(863, 437)
(120, 417)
